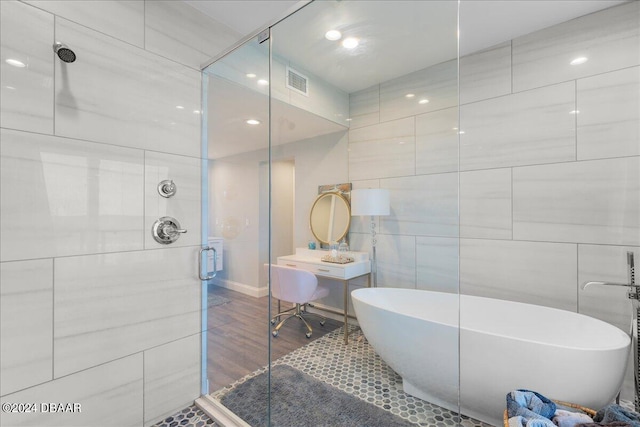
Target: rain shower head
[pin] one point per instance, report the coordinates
(64, 53)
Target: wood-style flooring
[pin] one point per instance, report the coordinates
(239, 333)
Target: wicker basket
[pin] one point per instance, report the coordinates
(588, 411)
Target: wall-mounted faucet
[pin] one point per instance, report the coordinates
(633, 291)
(166, 230)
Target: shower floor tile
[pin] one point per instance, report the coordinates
(188, 417)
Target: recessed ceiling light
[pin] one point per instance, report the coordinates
(196, 111)
(253, 122)
(423, 101)
(349, 119)
(251, 75)
(579, 60)
(179, 107)
(409, 95)
(10, 87)
(574, 112)
(333, 35)
(263, 82)
(15, 63)
(350, 43)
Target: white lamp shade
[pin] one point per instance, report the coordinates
(370, 201)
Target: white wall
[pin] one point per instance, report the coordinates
(548, 198)
(93, 310)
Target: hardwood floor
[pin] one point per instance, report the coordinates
(239, 332)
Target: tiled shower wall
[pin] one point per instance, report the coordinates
(93, 310)
(549, 160)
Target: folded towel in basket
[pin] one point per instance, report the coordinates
(520, 421)
(613, 412)
(564, 418)
(611, 424)
(528, 403)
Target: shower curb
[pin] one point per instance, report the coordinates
(219, 413)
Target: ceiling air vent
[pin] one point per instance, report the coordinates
(297, 82)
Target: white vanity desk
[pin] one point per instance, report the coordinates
(310, 260)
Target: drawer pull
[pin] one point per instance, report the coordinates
(325, 270)
(291, 265)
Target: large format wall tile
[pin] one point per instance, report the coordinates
(437, 141)
(65, 197)
(485, 204)
(112, 305)
(110, 395)
(26, 317)
(382, 151)
(522, 129)
(425, 205)
(123, 95)
(606, 264)
(437, 84)
(486, 74)
(529, 272)
(171, 378)
(122, 19)
(609, 39)
(183, 206)
(396, 257)
(26, 92)
(609, 118)
(596, 201)
(364, 107)
(179, 32)
(437, 260)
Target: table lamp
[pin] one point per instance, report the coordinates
(371, 202)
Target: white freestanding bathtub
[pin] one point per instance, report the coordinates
(503, 346)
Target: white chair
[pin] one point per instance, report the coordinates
(298, 287)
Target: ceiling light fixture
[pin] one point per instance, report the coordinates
(333, 35)
(423, 101)
(263, 82)
(251, 75)
(409, 95)
(350, 43)
(15, 63)
(179, 107)
(253, 122)
(579, 60)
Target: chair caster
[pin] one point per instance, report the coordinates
(273, 321)
(323, 322)
(275, 334)
(308, 335)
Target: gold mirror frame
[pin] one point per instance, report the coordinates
(317, 205)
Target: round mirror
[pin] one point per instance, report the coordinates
(330, 217)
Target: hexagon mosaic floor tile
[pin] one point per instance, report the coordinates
(188, 417)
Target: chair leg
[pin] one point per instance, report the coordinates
(300, 314)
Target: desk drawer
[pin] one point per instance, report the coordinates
(321, 270)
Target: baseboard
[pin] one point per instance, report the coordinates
(242, 288)
(219, 413)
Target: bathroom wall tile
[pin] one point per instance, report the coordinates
(65, 197)
(610, 39)
(123, 95)
(485, 204)
(183, 206)
(609, 118)
(606, 264)
(437, 84)
(382, 151)
(171, 378)
(437, 141)
(425, 205)
(122, 19)
(110, 395)
(180, 32)
(364, 107)
(26, 93)
(486, 74)
(529, 272)
(596, 201)
(396, 257)
(522, 129)
(112, 305)
(26, 324)
(437, 260)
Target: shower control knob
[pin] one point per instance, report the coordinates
(167, 188)
(166, 230)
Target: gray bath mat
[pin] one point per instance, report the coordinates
(213, 300)
(298, 399)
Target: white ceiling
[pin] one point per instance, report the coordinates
(396, 36)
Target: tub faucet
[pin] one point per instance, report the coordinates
(634, 296)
